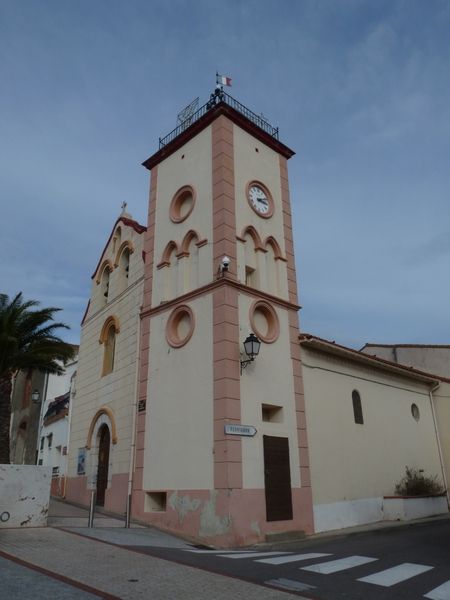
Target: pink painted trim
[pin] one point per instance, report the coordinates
(273, 324)
(205, 289)
(226, 374)
(187, 240)
(173, 322)
(271, 241)
(211, 117)
(288, 234)
(265, 189)
(177, 203)
(165, 263)
(251, 231)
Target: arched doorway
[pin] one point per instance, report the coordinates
(103, 463)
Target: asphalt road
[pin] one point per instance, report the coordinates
(408, 562)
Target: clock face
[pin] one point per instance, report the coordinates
(260, 200)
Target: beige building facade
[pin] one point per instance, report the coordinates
(173, 421)
(104, 404)
(367, 420)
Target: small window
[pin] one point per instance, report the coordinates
(105, 285)
(357, 407)
(155, 501)
(249, 276)
(110, 346)
(415, 411)
(272, 413)
(50, 440)
(42, 443)
(108, 335)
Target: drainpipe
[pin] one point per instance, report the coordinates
(41, 416)
(133, 427)
(73, 392)
(432, 390)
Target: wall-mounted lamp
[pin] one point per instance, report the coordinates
(35, 396)
(251, 346)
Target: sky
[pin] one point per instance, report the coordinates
(360, 89)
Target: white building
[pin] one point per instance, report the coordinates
(54, 428)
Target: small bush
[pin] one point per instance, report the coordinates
(414, 483)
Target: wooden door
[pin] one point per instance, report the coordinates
(277, 478)
(103, 463)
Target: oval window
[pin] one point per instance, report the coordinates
(264, 321)
(182, 204)
(180, 326)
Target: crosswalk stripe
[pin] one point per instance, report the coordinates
(440, 593)
(251, 554)
(281, 560)
(332, 566)
(396, 574)
(196, 551)
(290, 584)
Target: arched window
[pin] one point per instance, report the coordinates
(116, 239)
(168, 268)
(108, 339)
(124, 269)
(357, 408)
(105, 285)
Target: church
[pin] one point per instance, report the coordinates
(199, 406)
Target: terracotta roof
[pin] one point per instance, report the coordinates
(331, 347)
(57, 405)
(370, 345)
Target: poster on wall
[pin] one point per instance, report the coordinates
(81, 463)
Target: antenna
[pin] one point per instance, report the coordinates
(184, 117)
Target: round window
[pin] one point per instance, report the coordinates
(415, 411)
(182, 204)
(180, 326)
(264, 321)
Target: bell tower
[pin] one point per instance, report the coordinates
(221, 451)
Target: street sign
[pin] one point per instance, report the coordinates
(245, 430)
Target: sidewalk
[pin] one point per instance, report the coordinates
(86, 564)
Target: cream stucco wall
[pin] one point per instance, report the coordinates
(190, 165)
(441, 399)
(179, 418)
(117, 389)
(268, 380)
(263, 166)
(350, 461)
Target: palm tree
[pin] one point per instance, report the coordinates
(27, 341)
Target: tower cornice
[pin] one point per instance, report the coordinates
(210, 287)
(213, 113)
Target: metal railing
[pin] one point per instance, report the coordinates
(216, 98)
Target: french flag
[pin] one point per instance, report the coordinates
(223, 80)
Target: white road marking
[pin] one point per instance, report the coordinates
(396, 574)
(281, 560)
(195, 551)
(341, 564)
(290, 584)
(440, 593)
(251, 554)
